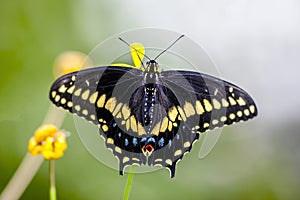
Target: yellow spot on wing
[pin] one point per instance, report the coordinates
(187, 144)
(155, 130)
(141, 130)
(239, 113)
(178, 152)
(93, 97)
(225, 103)
(136, 159)
(71, 89)
(53, 94)
(63, 101)
(110, 141)
(223, 118)
(77, 92)
(125, 111)
(70, 104)
(164, 124)
(246, 112)
(216, 104)
(133, 124)
(207, 105)
(85, 95)
(85, 112)
(230, 89)
(110, 104)
(119, 115)
(188, 109)
(169, 161)
(232, 116)
(252, 109)
(205, 125)
(170, 126)
(93, 117)
(215, 122)
(101, 101)
(127, 125)
(199, 108)
(173, 113)
(118, 150)
(62, 89)
(57, 98)
(232, 101)
(77, 107)
(241, 101)
(181, 113)
(125, 159)
(117, 109)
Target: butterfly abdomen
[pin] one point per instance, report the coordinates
(148, 104)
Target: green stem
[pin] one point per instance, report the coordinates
(52, 191)
(30, 164)
(129, 182)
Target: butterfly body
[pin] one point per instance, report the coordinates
(151, 117)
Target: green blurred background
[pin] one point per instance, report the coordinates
(255, 44)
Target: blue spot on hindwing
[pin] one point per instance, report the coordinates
(170, 143)
(151, 139)
(126, 142)
(161, 142)
(134, 141)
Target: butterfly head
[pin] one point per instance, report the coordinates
(151, 66)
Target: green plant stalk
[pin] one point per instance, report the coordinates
(30, 164)
(52, 189)
(129, 183)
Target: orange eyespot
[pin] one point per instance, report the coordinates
(147, 149)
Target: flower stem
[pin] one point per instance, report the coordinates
(52, 189)
(129, 182)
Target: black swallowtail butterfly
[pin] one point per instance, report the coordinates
(148, 116)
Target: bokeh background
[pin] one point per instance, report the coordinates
(255, 44)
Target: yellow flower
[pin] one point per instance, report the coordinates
(137, 52)
(49, 142)
(70, 61)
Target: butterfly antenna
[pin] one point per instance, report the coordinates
(134, 49)
(168, 47)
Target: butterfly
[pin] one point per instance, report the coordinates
(149, 116)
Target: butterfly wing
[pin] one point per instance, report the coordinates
(101, 95)
(199, 103)
(218, 102)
